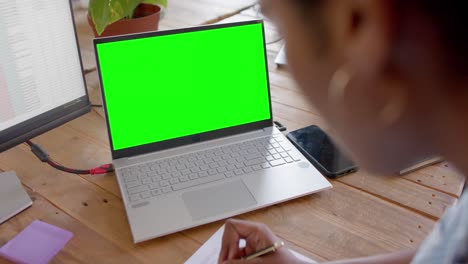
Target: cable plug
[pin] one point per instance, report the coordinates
(280, 126)
(102, 169)
(40, 152)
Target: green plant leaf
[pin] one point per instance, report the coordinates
(106, 12)
(162, 3)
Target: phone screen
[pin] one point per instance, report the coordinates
(315, 143)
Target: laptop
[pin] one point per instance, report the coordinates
(190, 125)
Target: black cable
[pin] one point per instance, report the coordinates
(65, 169)
(97, 105)
(43, 156)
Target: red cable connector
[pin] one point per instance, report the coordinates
(102, 169)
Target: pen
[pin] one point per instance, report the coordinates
(420, 165)
(271, 249)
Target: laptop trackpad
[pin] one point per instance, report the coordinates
(218, 199)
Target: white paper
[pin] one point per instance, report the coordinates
(208, 253)
(13, 197)
(281, 57)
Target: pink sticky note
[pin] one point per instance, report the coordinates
(37, 243)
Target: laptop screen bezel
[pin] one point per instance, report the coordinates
(191, 139)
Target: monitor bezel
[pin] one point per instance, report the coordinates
(51, 119)
(192, 139)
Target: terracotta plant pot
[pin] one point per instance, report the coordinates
(146, 18)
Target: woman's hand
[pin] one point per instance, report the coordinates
(257, 236)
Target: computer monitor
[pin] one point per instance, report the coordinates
(41, 78)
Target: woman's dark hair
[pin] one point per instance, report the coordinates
(450, 18)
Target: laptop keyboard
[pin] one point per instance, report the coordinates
(144, 181)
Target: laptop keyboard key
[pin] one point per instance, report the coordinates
(145, 195)
(135, 197)
(176, 174)
(132, 184)
(240, 165)
(280, 150)
(174, 181)
(183, 178)
(164, 183)
(252, 156)
(138, 189)
(286, 146)
(248, 170)
(130, 178)
(196, 182)
(294, 156)
(256, 167)
(156, 192)
(275, 163)
(156, 178)
(251, 150)
(252, 162)
(146, 181)
(202, 174)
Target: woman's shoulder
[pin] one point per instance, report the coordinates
(448, 241)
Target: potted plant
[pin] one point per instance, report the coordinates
(118, 17)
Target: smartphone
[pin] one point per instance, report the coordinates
(320, 150)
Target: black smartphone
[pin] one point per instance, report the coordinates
(320, 150)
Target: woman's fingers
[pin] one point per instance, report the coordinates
(230, 242)
(257, 236)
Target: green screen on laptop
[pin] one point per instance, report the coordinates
(165, 87)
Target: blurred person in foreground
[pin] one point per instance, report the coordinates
(391, 78)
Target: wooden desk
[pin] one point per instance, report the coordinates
(362, 215)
